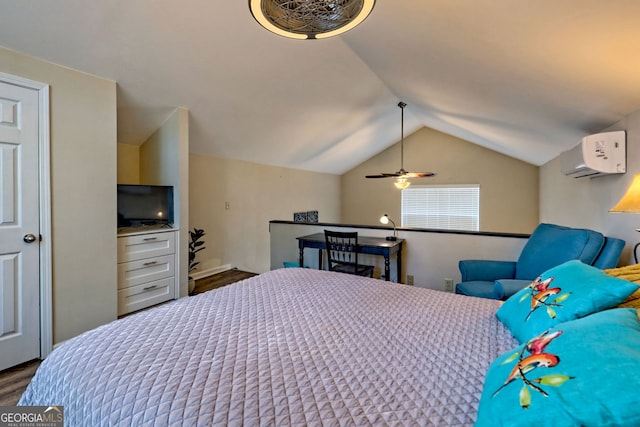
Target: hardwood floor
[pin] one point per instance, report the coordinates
(14, 381)
(221, 279)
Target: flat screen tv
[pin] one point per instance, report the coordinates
(145, 205)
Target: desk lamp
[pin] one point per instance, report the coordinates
(386, 220)
(630, 203)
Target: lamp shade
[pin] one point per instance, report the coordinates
(630, 202)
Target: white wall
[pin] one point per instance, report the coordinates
(585, 202)
(83, 192)
(430, 257)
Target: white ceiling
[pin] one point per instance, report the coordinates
(526, 78)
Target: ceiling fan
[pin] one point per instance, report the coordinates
(402, 175)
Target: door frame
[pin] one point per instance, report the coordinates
(44, 182)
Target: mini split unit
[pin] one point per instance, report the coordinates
(596, 155)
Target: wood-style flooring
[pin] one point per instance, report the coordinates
(221, 279)
(14, 381)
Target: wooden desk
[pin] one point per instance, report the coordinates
(367, 245)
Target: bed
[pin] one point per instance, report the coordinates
(295, 347)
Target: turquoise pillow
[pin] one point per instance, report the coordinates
(566, 292)
(581, 373)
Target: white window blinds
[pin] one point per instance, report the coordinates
(451, 207)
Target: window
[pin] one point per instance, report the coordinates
(451, 207)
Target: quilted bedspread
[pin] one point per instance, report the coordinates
(291, 347)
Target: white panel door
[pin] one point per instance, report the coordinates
(19, 226)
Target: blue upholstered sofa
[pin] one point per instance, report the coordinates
(549, 245)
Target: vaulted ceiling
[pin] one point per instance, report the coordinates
(527, 79)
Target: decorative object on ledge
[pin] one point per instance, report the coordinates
(386, 220)
(195, 246)
(310, 19)
(402, 176)
(312, 216)
(630, 203)
(309, 216)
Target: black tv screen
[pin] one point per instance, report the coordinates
(144, 205)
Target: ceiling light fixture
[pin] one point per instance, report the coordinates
(402, 183)
(402, 176)
(310, 19)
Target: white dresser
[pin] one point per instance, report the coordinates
(146, 269)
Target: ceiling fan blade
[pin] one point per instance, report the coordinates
(384, 175)
(419, 174)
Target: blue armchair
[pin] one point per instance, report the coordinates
(548, 246)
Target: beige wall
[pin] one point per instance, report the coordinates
(83, 177)
(159, 154)
(256, 194)
(164, 160)
(508, 187)
(585, 202)
(128, 164)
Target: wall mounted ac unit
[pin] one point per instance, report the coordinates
(596, 155)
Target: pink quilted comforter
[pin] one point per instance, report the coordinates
(291, 347)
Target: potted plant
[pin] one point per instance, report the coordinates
(196, 243)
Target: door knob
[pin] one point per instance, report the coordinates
(29, 238)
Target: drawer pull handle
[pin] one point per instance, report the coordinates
(150, 239)
(147, 264)
(148, 288)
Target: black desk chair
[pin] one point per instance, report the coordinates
(342, 253)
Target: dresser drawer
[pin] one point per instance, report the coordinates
(141, 246)
(145, 270)
(145, 295)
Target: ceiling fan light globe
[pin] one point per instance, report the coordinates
(402, 183)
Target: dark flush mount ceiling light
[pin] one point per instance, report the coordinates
(310, 19)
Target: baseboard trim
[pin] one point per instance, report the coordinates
(196, 275)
